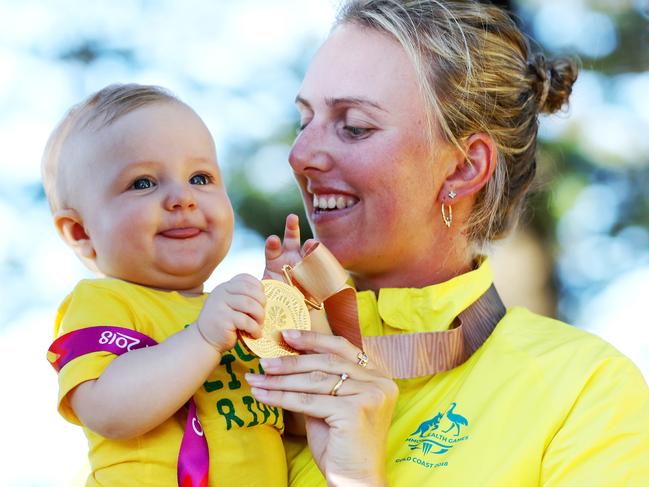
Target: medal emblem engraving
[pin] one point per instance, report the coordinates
(285, 309)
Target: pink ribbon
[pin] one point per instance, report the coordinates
(193, 457)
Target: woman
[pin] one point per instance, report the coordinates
(417, 145)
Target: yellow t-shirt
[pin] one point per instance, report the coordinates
(244, 436)
(541, 403)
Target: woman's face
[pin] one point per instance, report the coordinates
(368, 174)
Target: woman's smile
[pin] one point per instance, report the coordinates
(328, 202)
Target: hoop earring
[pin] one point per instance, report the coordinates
(448, 218)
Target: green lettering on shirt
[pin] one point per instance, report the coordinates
(226, 409)
(264, 409)
(212, 386)
(227, 360)
(249, 401)
(243, 355)
(275, 412)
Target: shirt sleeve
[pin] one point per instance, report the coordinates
(91, 303)
(604, 441)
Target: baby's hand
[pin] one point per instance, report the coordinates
(279, 254)
(237, 304)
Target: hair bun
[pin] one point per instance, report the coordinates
(552, 82)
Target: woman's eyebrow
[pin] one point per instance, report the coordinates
(353, 101)
(347, 100)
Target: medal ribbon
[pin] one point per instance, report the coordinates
(193, 457)
(404, 355)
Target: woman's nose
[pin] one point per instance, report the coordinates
(179, 197)
(311, 150)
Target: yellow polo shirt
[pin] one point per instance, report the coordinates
(243, 435)
(541, 403)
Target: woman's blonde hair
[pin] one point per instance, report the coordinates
(477, 75)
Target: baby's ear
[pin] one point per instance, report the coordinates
(70, 226)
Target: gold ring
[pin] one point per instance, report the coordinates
(343, 377)
(362, 358)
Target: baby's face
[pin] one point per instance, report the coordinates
(152, 200)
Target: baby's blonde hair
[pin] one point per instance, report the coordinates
(476, 74)
(97, 111)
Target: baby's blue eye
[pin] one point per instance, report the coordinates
(199, 179)
(142, 183)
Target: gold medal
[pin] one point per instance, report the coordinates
(285, 309)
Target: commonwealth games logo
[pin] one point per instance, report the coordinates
(440, 433)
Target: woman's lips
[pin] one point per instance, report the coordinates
(181, 233)
(333, 201)
(320, 217)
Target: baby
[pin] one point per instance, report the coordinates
(135, 190)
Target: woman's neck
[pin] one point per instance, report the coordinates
(425, 270)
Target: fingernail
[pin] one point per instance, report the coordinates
(291, 334)
(254, 378)
(269, 363)
(259, 393)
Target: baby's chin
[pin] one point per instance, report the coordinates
(186, 268)
(171, 280)
(186, 286)
(181, 280)
(183, 273)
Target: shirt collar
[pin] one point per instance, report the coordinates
(431, 308)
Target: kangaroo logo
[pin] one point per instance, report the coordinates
(427, 425)
(426, 439)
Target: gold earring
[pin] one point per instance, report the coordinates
(448, 218)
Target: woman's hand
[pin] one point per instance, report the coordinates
(347, 432)
(288, 252)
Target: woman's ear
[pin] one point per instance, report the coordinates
(70, 226)
(474, 168)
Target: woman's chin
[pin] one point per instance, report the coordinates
(344, 249)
